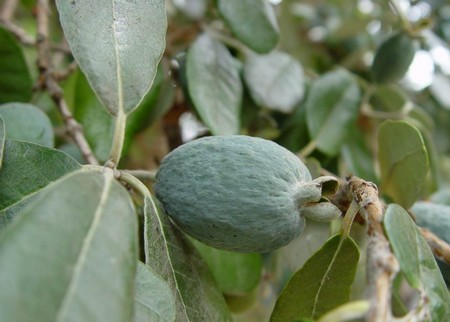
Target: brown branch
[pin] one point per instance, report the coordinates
(48, 82)
(440, 248)
(382, 266)
(8, 9)
(7, 12)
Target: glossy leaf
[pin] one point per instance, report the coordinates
(26, 169)
(275, 80)
(73, 242)
(153, 298)
(26, 122)
(235, 273)
(252, 21)
(170, 254)
(118, 45)
(15, 83)
(403, 161)
(393, 57)
(331, 108)
(322, 284)
(214, 85)
(2, 139)
(98, 124)
(401, 237)
(434, 217)
(357, 156)
(430, 277)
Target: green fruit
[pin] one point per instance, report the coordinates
(239, 193)
(393, 58)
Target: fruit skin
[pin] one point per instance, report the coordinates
(236, 192)
(393, 58)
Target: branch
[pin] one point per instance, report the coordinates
(440, 248)
(7, 12)
(8, 9)
(48, 82)
(382, 266)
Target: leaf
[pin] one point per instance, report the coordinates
(357, 156)
(322, 284)
(434, 217)
(393, 57)
(74, 251)
(214, 85)
(401, 236)
(98, 124)
(170, 254)
(194, 9)
(431, 279)
(2, 139)
(253, 22)
(153, 298)
(26, 122)
(26, 169)
(275, 80)
(403, 161)
(235, 273)
(331, 108)
(118, 45)
(16, 83)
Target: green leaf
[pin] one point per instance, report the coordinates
(275, 80)
(403, 161)
(26, 169)
(74, 251)
(214, 85)
(322, 284)
(431, 279)
(357, 156)
(331, 108)
(434, 217)
(252, 21)
(170, 254)
(16, 83)
(118, 45)
(153, 298)
(98, 124)
(235, 273)
(401, 237)
(26, 122)
(2, 139)
(393, 57)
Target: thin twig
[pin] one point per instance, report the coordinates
(8, 9)
(440, 248)
(48, 82)
(18, 32)
(382, 266)
(63, 74)
(142, 174)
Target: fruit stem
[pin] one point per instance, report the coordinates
(350, 215)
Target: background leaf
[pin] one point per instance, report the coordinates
(120, 58)
(402, 237)
(403, 161)
(252, 21)
(235, 273)
(153, 298)
(26, 122)
(170, 254)
(430, 276)
(434, 217)
(275, 80)
(322, 284)
(26, 169)
(15, 83)
(214, 85)
(331, 108)
(76, 240)
(2, 139)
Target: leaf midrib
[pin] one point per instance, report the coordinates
(87, 242)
